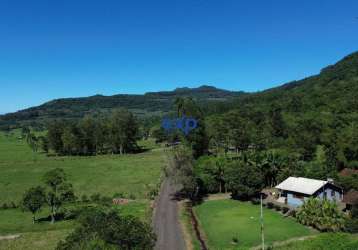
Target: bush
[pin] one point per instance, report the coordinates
(277, 207)
(152, 193)
(119, 195)
(352, 225)
(4, 206)
(235, 240)
(270, 205)
(321, 214)
(132, 197)
(285, 209)
(292, 213)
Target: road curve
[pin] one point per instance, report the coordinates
(166, 220)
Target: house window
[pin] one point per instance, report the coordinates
(333, 194)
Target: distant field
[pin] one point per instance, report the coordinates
(21, 168)
(222, 220)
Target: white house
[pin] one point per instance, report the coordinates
(294, 190)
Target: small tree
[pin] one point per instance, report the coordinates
(59, 190)
(98, 229)
(244, 181)
(181, 169)
(33, 200)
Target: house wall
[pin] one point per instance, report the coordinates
(332, 193)
(295, 201)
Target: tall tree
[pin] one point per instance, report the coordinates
(123, 131)
(59, 190)
(54, 135)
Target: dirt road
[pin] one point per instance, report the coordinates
(166, 220)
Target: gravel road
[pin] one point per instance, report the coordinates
(166, 220)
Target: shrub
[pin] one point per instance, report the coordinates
(4, 206)
(152, 193)
(270, 205)
(292, 213)
(321, 214)
(352, 225)
(235, 240)
(285, 209)
(119, 195)
(277, 207)
(132, 197)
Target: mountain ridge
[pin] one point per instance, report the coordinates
(334, 89)
(149, 103)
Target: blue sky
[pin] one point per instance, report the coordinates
(53, 49)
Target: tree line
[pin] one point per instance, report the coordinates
(115, 134)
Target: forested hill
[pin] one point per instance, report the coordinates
(152, 103)
(335, 89)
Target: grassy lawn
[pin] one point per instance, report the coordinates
(325, 241)
(108, 174)
(221, 220)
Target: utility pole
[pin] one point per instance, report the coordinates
(262, 226)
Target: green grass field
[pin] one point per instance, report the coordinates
(324, 241)
(107, 174)
(35, 240)
(221, 220)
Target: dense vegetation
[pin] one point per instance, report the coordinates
(321, 214)
(116, 134)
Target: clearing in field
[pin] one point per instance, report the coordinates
(223, 220)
